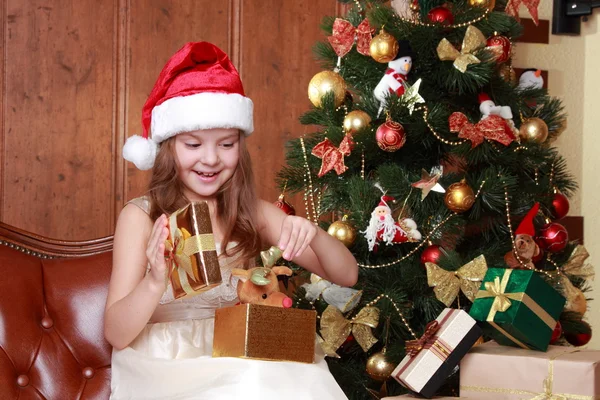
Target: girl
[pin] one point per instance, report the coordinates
(199, 118)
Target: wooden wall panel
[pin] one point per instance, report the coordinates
(157, 29)
(57, 126)
(276, 65)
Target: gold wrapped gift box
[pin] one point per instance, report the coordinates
(192, 251)
(265, 333)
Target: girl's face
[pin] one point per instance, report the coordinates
(206, 159)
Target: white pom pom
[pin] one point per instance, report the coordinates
(409, 223)
(415, 235)
(140, 151)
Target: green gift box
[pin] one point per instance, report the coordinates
(518, 307)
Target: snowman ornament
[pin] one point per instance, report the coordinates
(531, 79)
(394, 79)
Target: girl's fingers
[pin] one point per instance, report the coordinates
(301, 238)
(289, 249)
(284, 238)
(305, 244)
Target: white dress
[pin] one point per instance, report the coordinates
(172, 358)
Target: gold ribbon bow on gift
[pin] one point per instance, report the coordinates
(447, 284)
(502, 302)
(474, 40)
(497, 289)
(575, 266)
(184, 246)
(335, 328)
(413, 347)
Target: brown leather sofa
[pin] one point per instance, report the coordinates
(52, 296)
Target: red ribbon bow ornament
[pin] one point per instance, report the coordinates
(493, 127)
(344, 34)
(333, 157)
(413, 347)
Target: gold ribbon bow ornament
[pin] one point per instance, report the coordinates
(474, 40)
(447, 284)
(335, 328)
(575, 266)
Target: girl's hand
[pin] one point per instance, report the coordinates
(155, 252)
(296, 235)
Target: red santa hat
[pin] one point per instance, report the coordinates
(483, 97)
(526, 226)
(385, 200)
(199, 88)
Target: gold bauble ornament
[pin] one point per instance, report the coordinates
(355, 121)
(508, 73)
(479, 341)
(378, 367)
(459, 197)
(323, 83)
(489, 4)
(577, 303)
(384, 47)
(343, 231)
(533, 130)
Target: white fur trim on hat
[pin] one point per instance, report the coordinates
(140, 151)
(204, 110)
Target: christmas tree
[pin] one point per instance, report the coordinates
(427, 154)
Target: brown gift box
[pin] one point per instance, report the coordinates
(265, 333)
(491, 371)
(192, 251)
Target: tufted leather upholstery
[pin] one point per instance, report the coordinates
(51, 327)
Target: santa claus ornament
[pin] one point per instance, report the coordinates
(525, 246)
(394, 79)
(383, 228)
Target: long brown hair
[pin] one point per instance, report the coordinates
(236, 200)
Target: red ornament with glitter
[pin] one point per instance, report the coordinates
(441, 15)
(501, 47)
(553, 237)
(431, 254)
(560, 206)
(390, 136)
(285, 206)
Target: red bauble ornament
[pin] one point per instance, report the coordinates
(441, 15)
(431, 254)
(553, 237)
(579, 339)
(560, 206)
(390, 136)
(285, 206)
(504, 46)
(556, 333)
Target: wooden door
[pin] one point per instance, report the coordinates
(77, 72)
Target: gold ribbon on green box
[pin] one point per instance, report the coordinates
(503, 301)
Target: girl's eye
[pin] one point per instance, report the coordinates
(192, 145)
(227, 145)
